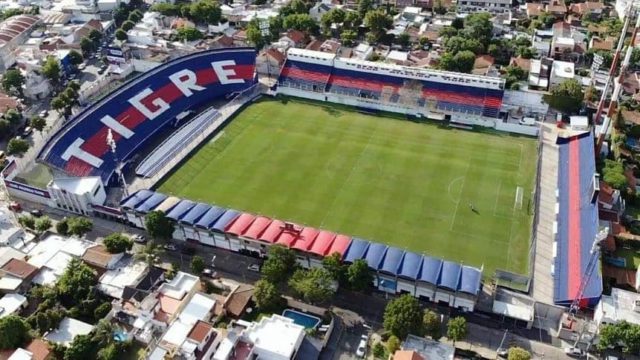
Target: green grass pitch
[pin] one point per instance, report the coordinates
(381, 178)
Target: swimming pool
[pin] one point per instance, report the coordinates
(308, 321)
(120, 335)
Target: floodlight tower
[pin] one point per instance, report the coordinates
(591, 266)
(112, 145)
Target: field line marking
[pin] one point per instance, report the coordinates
(464, 181)
(495, 206)
(449, 188)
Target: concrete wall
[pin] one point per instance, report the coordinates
(517, 128)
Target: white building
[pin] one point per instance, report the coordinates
(11, 304)
(620, 305)
(127, 272)
(67, 330)
(621, 6)
(493, 6)
(77, 194)
(561, 71)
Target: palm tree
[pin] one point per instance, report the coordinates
(103, 332)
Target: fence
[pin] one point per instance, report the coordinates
(226, 111)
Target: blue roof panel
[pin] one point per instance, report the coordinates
(357, 250)
(375, 254)
(450, 275)
(224, 219)
(210, 217)
(195, 213)
(410, 265)
(151, 203)
(180, 209)
(136, 198)
(392, 260)
(430, 271)
(470, 280)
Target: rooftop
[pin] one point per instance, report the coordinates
(48, 247)
(275, 334)
(81, 185)
(621, 305)
(98, 255)
(428, 349)
(19, 268)
(11, 303)
(126, 273)
(67, 330)
(179, 286)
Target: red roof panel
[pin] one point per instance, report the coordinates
(306, 239)
(340, 245)
(257, 227)
(240, 224)
(322, 243)
(271, 233)
(290, 233)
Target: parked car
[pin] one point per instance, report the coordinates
(503, 353)
(254, 267)
(27, 131)
(36, 213)
(44, 113)
(529, 121)
(574, 352)
(362, 348)
(208, 272)
(170, 247)
(139, 239)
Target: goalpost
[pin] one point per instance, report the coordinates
(519, 198)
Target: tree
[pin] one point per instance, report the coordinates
(14, 332)
(76, 282)
(333, 264)
(205, 11)
(17, 146)
(393, 344)
(402, 316)
(478, 26)
(352, 20)
(121, 35)
(74, 85)
(58, 104)
(314, 285)
(378, 351)
(82, 347)
(103, 332)
(294, 7)
(254, 34)
(439, 8)
(62, 227)
(348, 37)
(566, 97)
(364, 6)
(109, 352)
(51, 70)
(135, 16)
(456, 329)
(624, 333)
(27, 221)
(518, 353)
(87, 46)
(102, 310)
(460, 62)
(447, 32)
(166, 9)
(5, 127)
(333, 16)
(378, 22)
(158, 225)
(117, 243)
(127, 25)
(457, 23)
(266, 295)
(197, 264)
(431, 324)
(187, 33)
(526, 52)
(150, 253)
(279, 264)
(79, 226)
(403, 39)
(358, 275)
(38, 123)
(95, 36)
(13, 117)
(301, 22)
(456, 44)
(12, 82)
(43, 224)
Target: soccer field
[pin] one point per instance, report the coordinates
(434, 190)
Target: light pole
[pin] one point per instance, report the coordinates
(500, 349)
(112, 144)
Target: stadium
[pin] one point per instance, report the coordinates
(412, 170)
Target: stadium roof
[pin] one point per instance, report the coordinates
(180, 209)
(409, 265)
(210, 217)
(257, 227)
(470, 280)
(430, 270)
(392, 260)
(224, 220)
(306, 239)
(323, 243)
(356, 250)
(272, 231)
(151, 202)
(339, 245)
(450, 275)
(135, 199)
(577, 225)
(375, 254)
(240, 224)
(195, 213)
(289, 236)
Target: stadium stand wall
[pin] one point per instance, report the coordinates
(395, 270)
(20, 190)
(143, 107)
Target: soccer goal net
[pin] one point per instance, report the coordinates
(519, 198)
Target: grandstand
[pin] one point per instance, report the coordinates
(412, 89)
(143, 107)
(394, 270)
(577, 221)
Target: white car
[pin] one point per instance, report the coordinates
(170, 247)
(254, 267)
(574, 352)
(529, 121)
(362, 348)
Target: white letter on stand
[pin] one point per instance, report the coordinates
(224, 74)
(136, 101)
(114, 125)
(74, 150)
(187, 84)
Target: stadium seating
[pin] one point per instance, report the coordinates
(172, 145)
(305, 75)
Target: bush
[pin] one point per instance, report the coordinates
(379, 351)
(102, 311)
(393, 344)
(62, 227)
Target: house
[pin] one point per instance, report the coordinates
(522, 63)
(12, 304)
(330, 46)
(560, 72)
(294, 38)
(16, 275)
(610, 203)
(270, 62)
(539, 73)
(125, 273)
(222, 41)
(407, 355)
(597, 43)
(428, 349)
(587, 10)
(36, 350)
(99, 257)
(482, 65)
(320, 9)
(534, 9)
(67, 330)
(237, 302)
(557, 8)
(621, 305)
(362, 51)
(562, 44)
